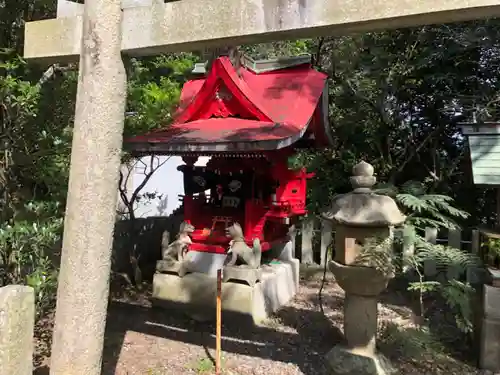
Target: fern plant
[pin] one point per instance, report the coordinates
(423, 209)
(440, 269)
(377, 253)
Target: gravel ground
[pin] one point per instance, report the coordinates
(141, 340)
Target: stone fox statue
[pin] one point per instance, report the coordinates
(176, 250)
(239, 251)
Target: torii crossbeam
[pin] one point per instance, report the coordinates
(99, 33)
(154, 27)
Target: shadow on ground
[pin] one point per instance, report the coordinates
(42, 371)
(302, 348)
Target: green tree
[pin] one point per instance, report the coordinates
(36, 119)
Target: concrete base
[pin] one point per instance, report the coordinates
(343, 361)
(195, 293)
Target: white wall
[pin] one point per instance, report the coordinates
(166, 180)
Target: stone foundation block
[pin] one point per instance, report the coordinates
(343, 361)
(196, 293)
(17, 320)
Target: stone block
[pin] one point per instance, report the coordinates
(17, 320)
(196, 293)
(491, 302)
(489, 346)
(343, 361)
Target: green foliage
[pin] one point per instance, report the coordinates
(440, 269)
(205, 366)
(27, 251)
(36, 126)
(492, 255)
(154, 89)
(422, 209)
(412, 342)
(377, 253)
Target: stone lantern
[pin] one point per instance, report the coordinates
(359, 218)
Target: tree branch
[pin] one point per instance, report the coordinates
(148, 173)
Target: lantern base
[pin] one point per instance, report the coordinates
(343, 361)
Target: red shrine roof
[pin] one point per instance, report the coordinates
(241, 110)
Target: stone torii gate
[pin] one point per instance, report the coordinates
(98, 33)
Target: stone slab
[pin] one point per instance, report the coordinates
(196, 25)
(196, 292)
(489, 345)
(17, 320)
(344, 362)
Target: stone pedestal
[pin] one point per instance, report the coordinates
(360, 329)
(345, 361)
(360, 323)
(247, 275)
(171, 267)
(195, 293)
(362, 286)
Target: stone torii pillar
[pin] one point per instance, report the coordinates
(82, 294)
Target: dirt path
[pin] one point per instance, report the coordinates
(141, 340)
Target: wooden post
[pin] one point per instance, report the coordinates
(326, 240)
(498, 207)
(430, 267)
(455, 239)
(475, 242)
(293, 238)
(218, 323)
(306, 252)
(431, 235)
(472, 272)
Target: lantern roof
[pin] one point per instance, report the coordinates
(362, 207)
